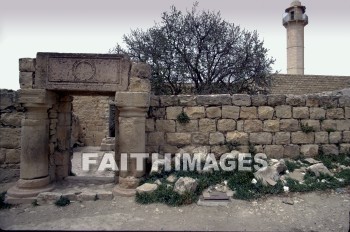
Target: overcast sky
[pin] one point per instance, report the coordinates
(81, 26)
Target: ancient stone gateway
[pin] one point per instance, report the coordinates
(47, 84)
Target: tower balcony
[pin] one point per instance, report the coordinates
(303, 18)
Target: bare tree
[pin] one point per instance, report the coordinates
(201, 53)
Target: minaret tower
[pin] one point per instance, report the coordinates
(294, 21)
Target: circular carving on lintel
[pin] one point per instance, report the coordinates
(84, 70)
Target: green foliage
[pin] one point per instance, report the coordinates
(199, 52)
(291, 166)
(35, 203)
(166, 195)
(63, 201)
(306, 128)
(183, 118)
(330, 160)
(233, 145)
(3, 205)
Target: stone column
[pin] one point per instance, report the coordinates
(132, 107)
(34, 170)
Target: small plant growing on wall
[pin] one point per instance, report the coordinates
(306, 128)
(233, 145)
(329, 130)
(183, 118)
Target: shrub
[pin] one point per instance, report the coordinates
(183, 118)
(306, 128)
(63, 201)
(3, 205)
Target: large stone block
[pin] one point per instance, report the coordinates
(346, 136)
(214, 100)
(291, 151)
(219, 150)
(335, 137)
(283, 111)
(301, 112)
(347, 112)
(259, 100)
(315, 124)
(296, 100)
(276, 99)
(187, 100)
(230, 112)
(239, 137)
(168, 149)
(329, 101)
(150, 125)
(253, 126)
(141, 70)
(178, 138)
(200, 138)
(155, 138)
(226, 125)
(335, 113)
(241, 100)
(213, 112)
(282, 138)
(195, 112)
(317, 113)
(344, 101)
(289, 125)
(262, 138)
(165, 125)
(271, 125)
(207, 125)
(321, 137)
(13, 156)
(173, 112)
(344, 148)
(132, 99)
(10, 137)
(248, 112)
(303, 138)
(309, 150)
(330, 149)
(155, 101)
(169, 100)
(139, 85)
(274, 151)
(26, 80)
(265, 112)
(12, 119)
(216, 138)
(191, 126)
(343, 125)
(329, 125)
(27, 65)
(312, 100)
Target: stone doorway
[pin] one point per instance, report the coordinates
(46, 94)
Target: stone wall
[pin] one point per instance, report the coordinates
(11, 114)
(306, 84)
(273, 124)
(93, 115)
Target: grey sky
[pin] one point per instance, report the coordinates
(27, 27)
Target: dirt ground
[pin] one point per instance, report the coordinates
(326, 211)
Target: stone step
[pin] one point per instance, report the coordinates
(97, 180)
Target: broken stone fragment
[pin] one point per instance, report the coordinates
(185, 184)
(311, 161)
(319, 168)
(147, 188)
(171, 179)
(297, 175)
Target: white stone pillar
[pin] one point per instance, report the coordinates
(34, 168)
(132, 107)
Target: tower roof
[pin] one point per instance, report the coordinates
(296, 4)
